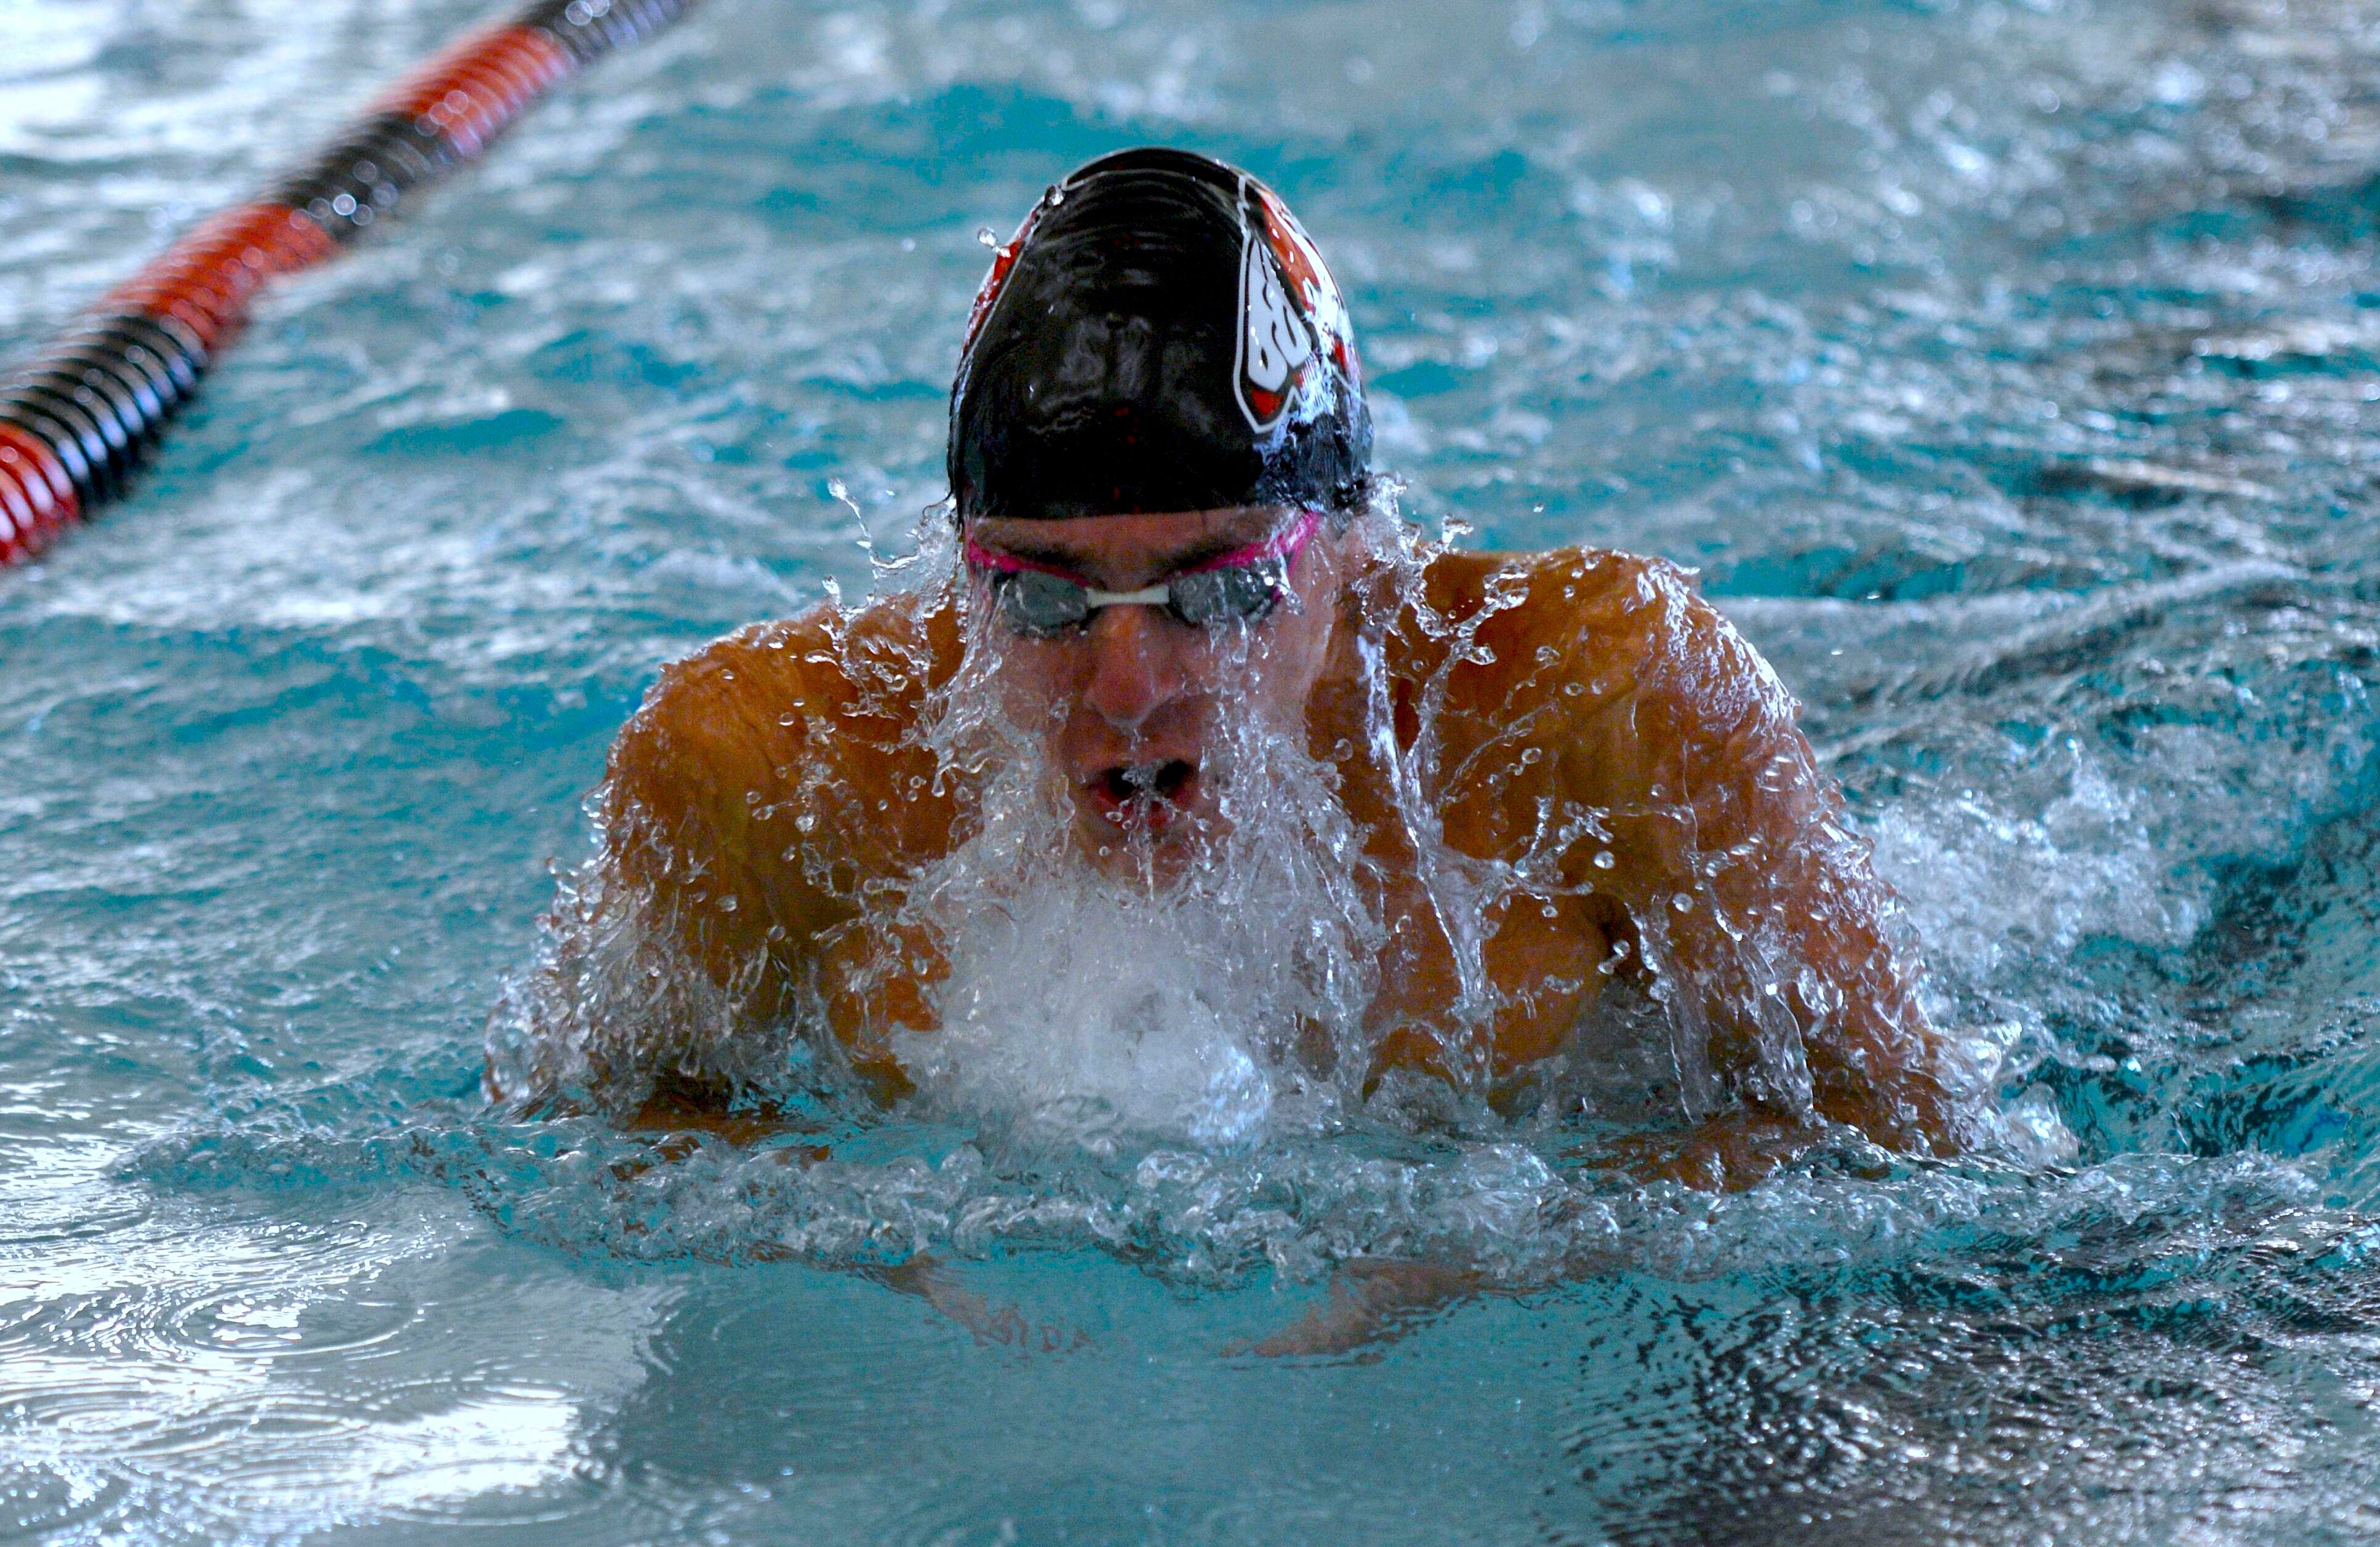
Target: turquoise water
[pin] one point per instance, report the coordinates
(2010, 371)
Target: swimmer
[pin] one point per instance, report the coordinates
(1545, 779)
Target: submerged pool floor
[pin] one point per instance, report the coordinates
(2011, 372)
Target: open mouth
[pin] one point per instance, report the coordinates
(1146, 792)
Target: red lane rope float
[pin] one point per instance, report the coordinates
(205, 281)
(36, 495)
(76, 419)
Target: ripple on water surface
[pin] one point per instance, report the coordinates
(2008, 370)
(227, 1368)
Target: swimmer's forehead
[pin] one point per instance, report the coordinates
(1147, 544)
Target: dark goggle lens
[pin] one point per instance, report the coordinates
(1032, 602)
(1241, 594)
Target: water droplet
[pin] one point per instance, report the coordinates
(987, 237)
(1572, 689)
(1684, 902)
(1604, 859)
(727, 903)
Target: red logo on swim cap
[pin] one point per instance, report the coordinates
(1003, 259)
(1290, 312)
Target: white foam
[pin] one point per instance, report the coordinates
(1089, 1012)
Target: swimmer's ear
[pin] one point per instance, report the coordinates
(1352, 499)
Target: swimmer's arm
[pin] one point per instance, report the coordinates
(1728, 1150)
(679, 951)
(681, 787)
(1369, 1301)
(1730, 811)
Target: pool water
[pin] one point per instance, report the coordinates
(2010, 372)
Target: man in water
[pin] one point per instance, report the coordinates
(1523, 780)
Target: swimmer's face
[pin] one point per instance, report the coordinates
(1131, 702)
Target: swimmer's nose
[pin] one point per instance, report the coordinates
(1132, 677)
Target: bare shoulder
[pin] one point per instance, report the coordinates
(1597, 627)
(760, 758)
(1631, 687)
(705, 725)
(736, 711)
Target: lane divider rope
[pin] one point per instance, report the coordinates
(79, 417)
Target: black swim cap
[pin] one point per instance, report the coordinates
(1159, 336)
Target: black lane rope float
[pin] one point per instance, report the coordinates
(76, 419)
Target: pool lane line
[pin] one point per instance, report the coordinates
(79, 417)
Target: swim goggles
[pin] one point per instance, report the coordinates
(1243, 586)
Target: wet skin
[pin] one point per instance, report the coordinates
(771, 794)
